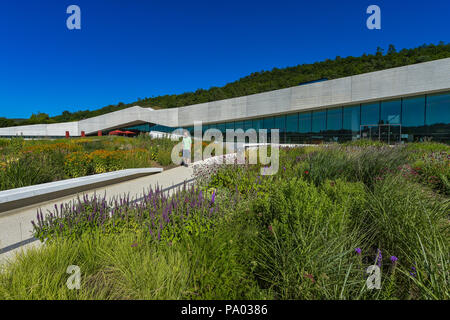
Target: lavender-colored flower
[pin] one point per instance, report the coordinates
(213, 198)
(413, 272)
(358, 251)
(379, 258)
(394, 259)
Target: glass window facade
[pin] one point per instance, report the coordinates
(280, 123)
(304, 122)
(413, 112)
(268, 123)
(438, 109)
(292, 123)
(437, 116)
(319, 121)
(247, 124)
(370, 113)
(257, 124)
(406, 119)
(390, 112)
(334, 119)
(239, 125)
(352, 117)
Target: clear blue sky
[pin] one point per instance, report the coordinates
(129, 49)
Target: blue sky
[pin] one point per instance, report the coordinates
(129, 49)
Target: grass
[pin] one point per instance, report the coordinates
(308, 232)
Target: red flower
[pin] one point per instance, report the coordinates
(306, 172)
(309, 276)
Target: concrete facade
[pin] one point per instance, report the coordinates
(422, 78)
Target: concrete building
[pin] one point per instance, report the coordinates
(407, 103)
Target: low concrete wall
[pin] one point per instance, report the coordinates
(22, 197)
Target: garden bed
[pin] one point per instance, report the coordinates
(30, 162)
(308, 232)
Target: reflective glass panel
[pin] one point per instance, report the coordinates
(351, 118)
(370, 113)
(413, 112)
(292, 123)
(438, 109)
(304, 122)
(334, 119)
(319, 120)
(390, 111)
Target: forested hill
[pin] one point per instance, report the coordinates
(266, 81)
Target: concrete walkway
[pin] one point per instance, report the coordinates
(16, 228)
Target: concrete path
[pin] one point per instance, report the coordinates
(16, 228)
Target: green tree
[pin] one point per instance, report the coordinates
(391, 49)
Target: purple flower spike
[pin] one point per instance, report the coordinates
(379, 258)
(358, 250)
(394, 259)
(213, 198)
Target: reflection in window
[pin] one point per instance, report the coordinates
(268, 123)
(413, 112)
(280, 123)
(319, 121)
(351, 118)
(370, 113)
(304, 122)
(257, 124)
(334, 119)
(229, 125)
(239, 125)
(221, 127)
(292, 123)
(438, 109)
(247, 125)
(390, 111)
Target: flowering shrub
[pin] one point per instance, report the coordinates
(434, 169)
(159, 217)
(62, 147)
(79, 157)
(78, 164)
(105, 161)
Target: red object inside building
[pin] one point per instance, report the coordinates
(116, 133)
